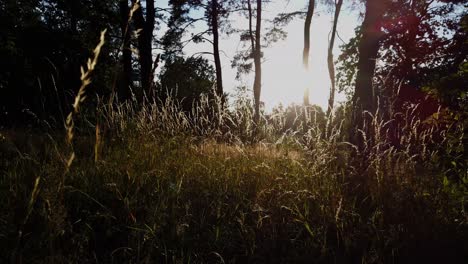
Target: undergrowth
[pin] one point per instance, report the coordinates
(156, 186)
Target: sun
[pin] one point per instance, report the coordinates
(286, 79)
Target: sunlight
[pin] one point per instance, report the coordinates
(287, 81)
(285, 77)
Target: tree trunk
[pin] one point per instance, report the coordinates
(364, 99)
(308, 22)
(124, 91)
(145, 45)
(217, 58)
(331, 65)
(257, 62)
(306, 51)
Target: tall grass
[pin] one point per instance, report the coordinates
(200, 186)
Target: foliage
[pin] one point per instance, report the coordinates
(186, 79)
(347, 65)
(421, 37)
(448, 81)
(42, 44)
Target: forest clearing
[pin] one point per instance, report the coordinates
(118, 147)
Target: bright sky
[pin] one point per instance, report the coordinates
(284, 79)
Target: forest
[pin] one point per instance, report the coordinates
(144, 131)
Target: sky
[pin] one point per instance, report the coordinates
(284, 78)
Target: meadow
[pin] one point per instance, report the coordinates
(155, 184)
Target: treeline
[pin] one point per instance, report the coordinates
(403, 51)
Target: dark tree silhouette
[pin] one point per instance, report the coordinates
(214, 24)
(186, 79)
(145, 25)
(126, 73)
(364, 99)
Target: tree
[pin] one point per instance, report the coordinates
(306, 51)
(417, 36)
(331, 65)
(417, 42)
(257, 54)
(215, 13)
(368, 47)
(214, 25)
(186, 79)
(282, 19)
(448, 81)
(145, 25)
(126, 75)
(249, 60)
(42, 46)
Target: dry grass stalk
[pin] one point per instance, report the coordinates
(80, 97)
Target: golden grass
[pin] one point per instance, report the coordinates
(262, 150)
(80, 97)
(169, 193)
